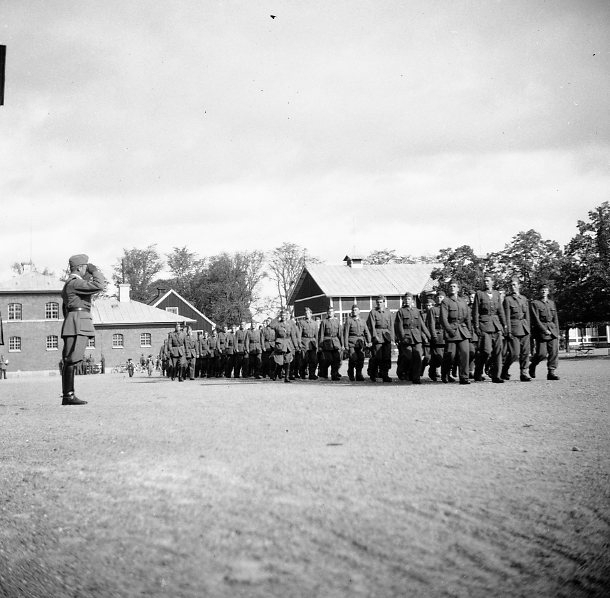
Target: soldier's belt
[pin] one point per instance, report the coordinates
(381, 328)
(78, 309)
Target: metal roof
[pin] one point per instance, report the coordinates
(368, 280)
(112, 311)
(32, 282)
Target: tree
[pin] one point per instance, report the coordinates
(183, 264)
(389, 256)
(529, 257)
(583, 285)
(138, 268)
(21, 267)
(459, 264)
(285, 264)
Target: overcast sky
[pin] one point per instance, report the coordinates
(343, 126)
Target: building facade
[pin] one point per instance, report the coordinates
(171, 301)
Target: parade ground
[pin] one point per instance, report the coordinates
(240, 488)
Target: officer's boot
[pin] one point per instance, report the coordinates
(69, 398)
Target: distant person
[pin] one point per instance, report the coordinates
(130, 367)
(3, 366)
(85, 280)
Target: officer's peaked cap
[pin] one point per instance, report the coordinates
(78, 260)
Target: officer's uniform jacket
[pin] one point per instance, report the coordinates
(517, 314)
(329, 334)
(268, 338)
(455, 318)
(254, 341)
(77, 296)
(487, 314)
(435, 327)
(545, 322)
(190, 346)
(175, 344)
(240, 341)
(380, 326)
(356, 334)
(286, 336)
(309, 335)
(409, 326)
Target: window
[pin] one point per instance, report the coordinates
(145, 339)
(91, 343)
(51, 311)
(52, 342)
(14, 343)
(172, 310)
(14, 311)
(117, 341)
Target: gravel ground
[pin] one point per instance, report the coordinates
(245, 488)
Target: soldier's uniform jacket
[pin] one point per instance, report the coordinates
(435, 327)
(286, 336)
(221, 343)
(380, 326)
(455, 318)
(229, 343)
(474, 338)
(164, 351)
(213, 350)
(409, 326)
(356, 334)
(488, 315)
(309, 335)
(240, 341)
(329, 334)
(268, 338)
(517, 314)
(175, 344)
(203, 347)
(254, 341)
(545, 322)
(77, 296)
(190, 346)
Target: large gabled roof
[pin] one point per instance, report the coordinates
(158, 300)
(109, 310)
(387, 279)
(32, 282)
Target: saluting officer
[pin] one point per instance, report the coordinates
(85, 280)
(356, 338)
(411, 331)
(517, 314)
(545, 324)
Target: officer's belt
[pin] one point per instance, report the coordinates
(78, 309)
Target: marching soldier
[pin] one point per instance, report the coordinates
(286, 341)
(474, 339)
(545, 324)
(214, 353)
(517, 315)
(221, 348)
(489, 325)
(229, 350)
(437, 335)
(309, 346)
(200, 355)
(410, 331)
(457, 327)
(329, 338)
(268, 365)
(85, 280)
(177, 351)
(190, 354)
(356, 337)
(379, 323)
(240, 364)
(254, 350)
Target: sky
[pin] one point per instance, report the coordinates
(344, 126)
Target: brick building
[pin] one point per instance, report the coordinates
(30, 305)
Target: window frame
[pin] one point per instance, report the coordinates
(118, 337)
(11, 315)
(17, 341)
(53, 307)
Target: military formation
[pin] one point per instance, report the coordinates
(460, 336)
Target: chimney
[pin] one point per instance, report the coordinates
(124, 290)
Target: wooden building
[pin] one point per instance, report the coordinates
(172, 302)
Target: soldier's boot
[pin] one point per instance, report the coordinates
(359, 376)
(312, 373)
(551, 375)
(504, 374)
(69, 398)
(532, 370)
(287, 373)
(350, 373)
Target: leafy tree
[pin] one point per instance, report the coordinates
(183, 264)
(459, 264)
(285, 264)
(584, 282)
(531, 258)
(389, 256)
(138, 267)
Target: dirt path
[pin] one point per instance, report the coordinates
(237, 488)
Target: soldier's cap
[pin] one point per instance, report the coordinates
(441, 294)
(355, 305)
(380, 297)
(80, 259)
(408, 294)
